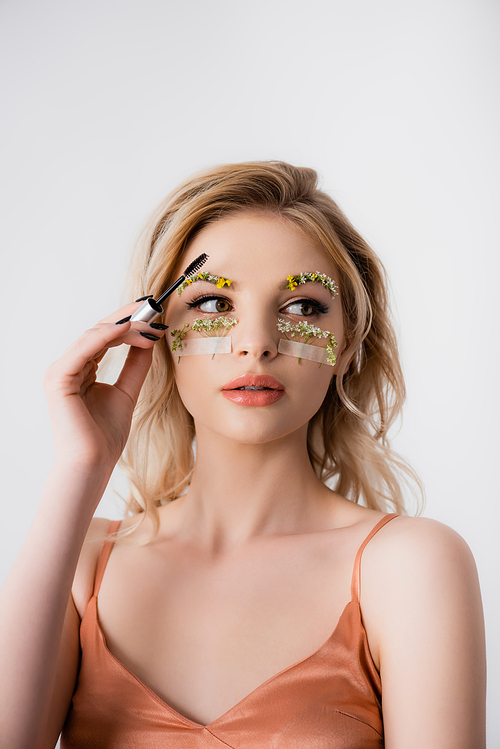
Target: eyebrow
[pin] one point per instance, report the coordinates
(312, 277)
(218, 281)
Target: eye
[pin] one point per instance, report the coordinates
(305, 308)
(211, 304)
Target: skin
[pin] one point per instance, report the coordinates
(251, 569)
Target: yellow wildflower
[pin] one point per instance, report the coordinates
(292, 283)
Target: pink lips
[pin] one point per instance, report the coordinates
(273, 392)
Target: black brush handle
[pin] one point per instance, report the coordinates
(151, 309)
(170, 289)
(192, 268)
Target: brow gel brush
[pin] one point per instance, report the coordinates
(151, 308)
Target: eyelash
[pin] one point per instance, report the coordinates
(318, 307)
(205, 298)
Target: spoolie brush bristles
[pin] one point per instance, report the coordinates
(196, 264)
(192, 268)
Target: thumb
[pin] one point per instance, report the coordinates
(134, 371)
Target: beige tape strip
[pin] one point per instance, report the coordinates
(200, 346)
(303, 351)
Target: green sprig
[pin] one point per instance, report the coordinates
(307, 332)
(209, 326)
(204, 326)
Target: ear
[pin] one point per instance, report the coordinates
(340, 358)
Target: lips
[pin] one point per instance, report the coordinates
(253, 390)
(249, 380)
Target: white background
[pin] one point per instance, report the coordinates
(107, 105)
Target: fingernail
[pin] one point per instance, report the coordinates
(158, 326)
(125, 319)
(149, 336)
(143, 298)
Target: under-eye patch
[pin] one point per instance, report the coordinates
(218, 281)
(302, 349)
(293, 281)
(307, 351)
(201, 346)
(214, 341)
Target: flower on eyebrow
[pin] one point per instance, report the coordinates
(324, 280)
(308, 332)
(223, 282)
(219, 281)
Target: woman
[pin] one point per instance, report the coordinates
(244, 603)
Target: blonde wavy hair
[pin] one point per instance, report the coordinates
(347, 438)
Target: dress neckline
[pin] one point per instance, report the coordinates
(354, 602)
(250, 695)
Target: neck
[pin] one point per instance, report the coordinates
(241, 491)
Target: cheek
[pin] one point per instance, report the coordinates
(199, 380)
(312, 385)
(190, 378)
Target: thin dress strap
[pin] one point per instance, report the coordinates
(355, 584)
(106, 550)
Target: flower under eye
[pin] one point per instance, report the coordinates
(305, 308)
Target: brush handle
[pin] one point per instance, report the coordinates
(147, 312)
(170, 289)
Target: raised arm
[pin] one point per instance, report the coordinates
(423, 608)
(91, 423)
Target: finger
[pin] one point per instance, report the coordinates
(123, 313)
(93, 343)
(119, 314)
(135, 334)
(89, 368)
(134, 371)
(65, 375)
(89, 380)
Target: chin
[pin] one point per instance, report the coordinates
(254, 431)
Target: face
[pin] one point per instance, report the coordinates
(258, 253)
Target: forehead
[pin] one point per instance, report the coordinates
(254, 244)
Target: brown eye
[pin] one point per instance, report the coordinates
(213, 304)
(304, 309)
(222, 305)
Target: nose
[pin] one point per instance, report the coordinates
(255, 337)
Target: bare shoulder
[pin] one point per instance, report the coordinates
(422, 610)
(85, 572)
(416, 562)
(417, 550)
